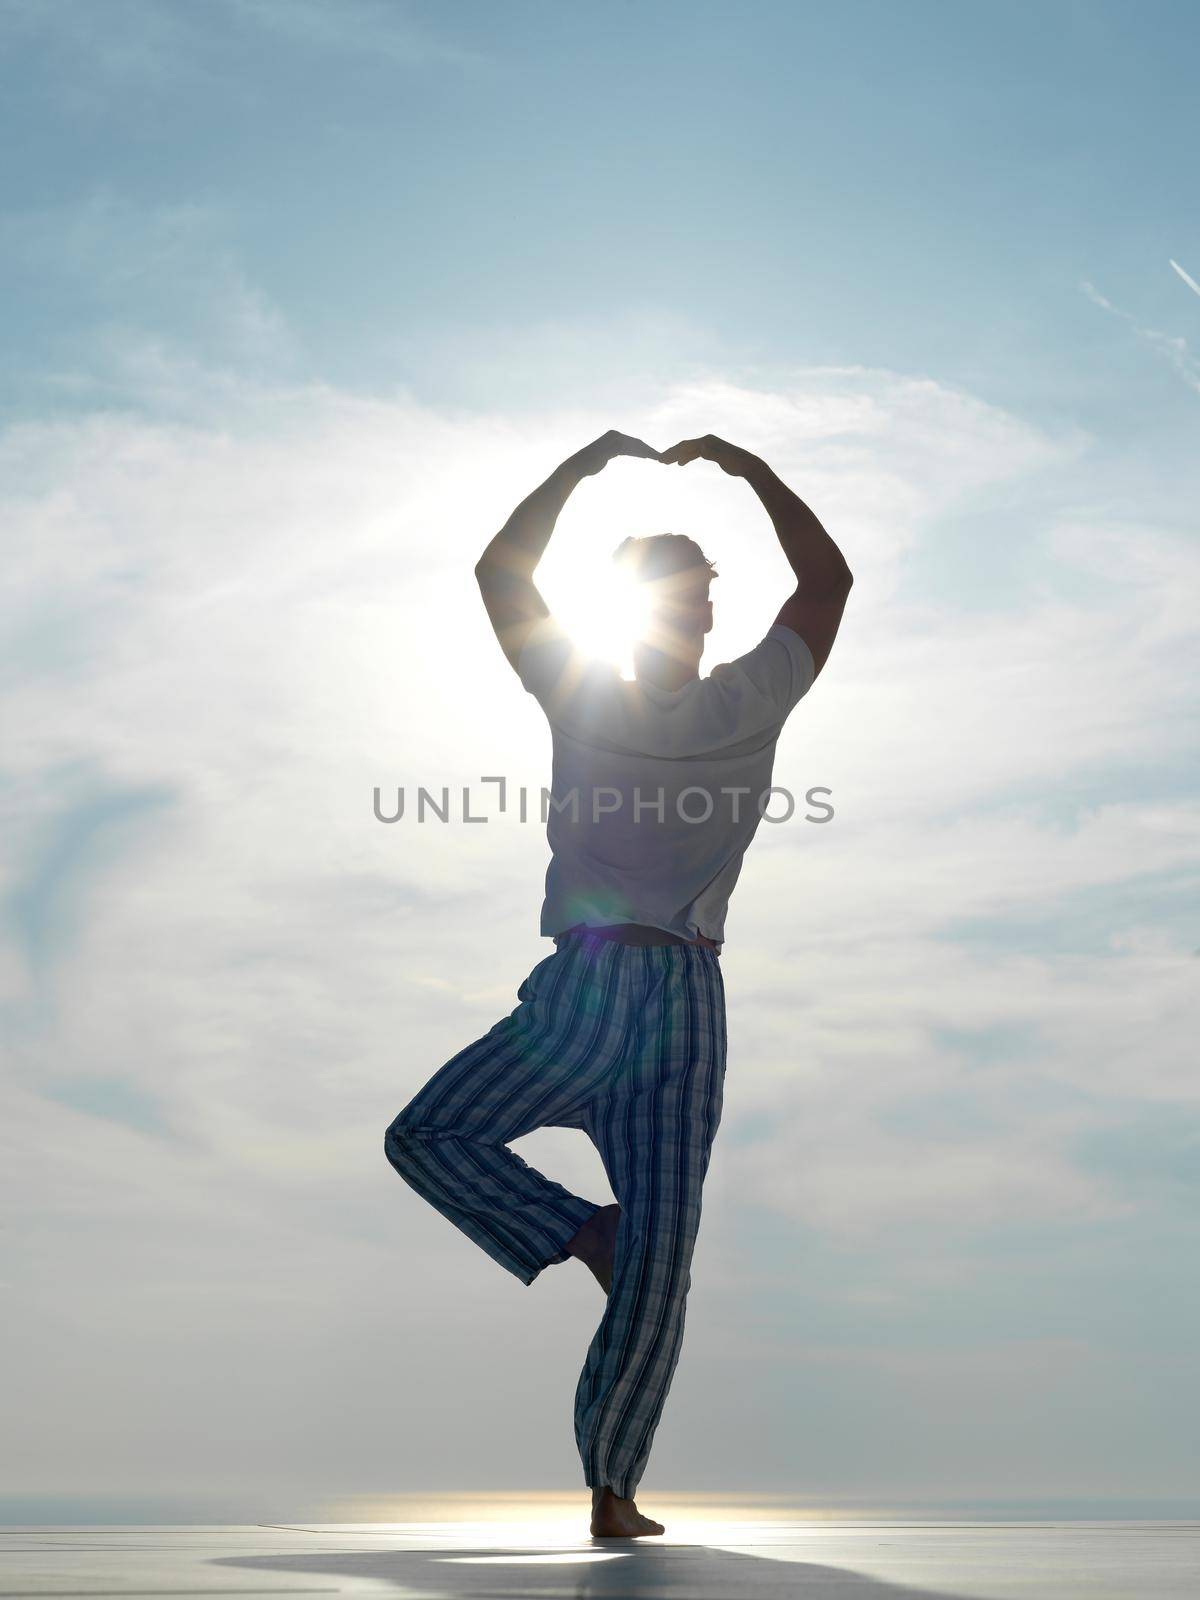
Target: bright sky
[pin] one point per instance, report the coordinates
(302, 299)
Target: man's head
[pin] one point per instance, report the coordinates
(674, 575)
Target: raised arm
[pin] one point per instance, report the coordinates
(814, 609)
(505, 569)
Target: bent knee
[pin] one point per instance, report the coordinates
(398, 1142)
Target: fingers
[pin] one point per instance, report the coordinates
(594, 457)
(686, 450)
(707, 448)
(612, 444)
(627, 445)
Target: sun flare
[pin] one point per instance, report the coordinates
(604, 612)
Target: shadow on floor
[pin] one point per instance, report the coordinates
(601, 1569)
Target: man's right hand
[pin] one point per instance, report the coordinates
(595, 457)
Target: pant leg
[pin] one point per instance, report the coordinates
(535, 1068)
(654, 1129)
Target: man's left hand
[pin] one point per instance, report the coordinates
(595, 457)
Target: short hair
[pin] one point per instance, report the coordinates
(662, 555)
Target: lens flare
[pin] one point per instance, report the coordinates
(604, 613)
(631, 609)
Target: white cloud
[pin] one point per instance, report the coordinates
(159, 284)
(1172, 347)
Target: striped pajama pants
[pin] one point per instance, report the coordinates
(627, 1043)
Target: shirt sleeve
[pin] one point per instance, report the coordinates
(780, 667)
(555, 671)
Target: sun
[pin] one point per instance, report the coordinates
(603, 611)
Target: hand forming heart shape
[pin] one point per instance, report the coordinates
(729, 457)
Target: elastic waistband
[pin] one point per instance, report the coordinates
(616, 934)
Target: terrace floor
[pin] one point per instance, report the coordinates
(699, 1558)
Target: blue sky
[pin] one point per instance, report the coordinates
(303, 299)
(919, 187)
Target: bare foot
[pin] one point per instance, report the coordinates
(596, 1242)
(614, 1518)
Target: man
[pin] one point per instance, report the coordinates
(658, 786)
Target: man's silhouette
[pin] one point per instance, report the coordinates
(658, 786)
